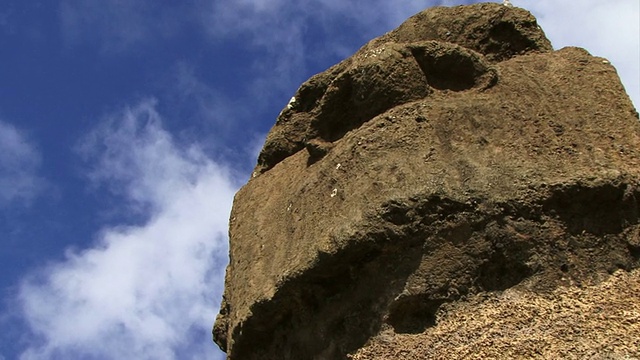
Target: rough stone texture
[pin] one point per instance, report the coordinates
(591, 322)
(454, 167)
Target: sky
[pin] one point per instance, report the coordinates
(126, 127)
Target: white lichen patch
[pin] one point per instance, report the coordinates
(291, 103)
(375, 52)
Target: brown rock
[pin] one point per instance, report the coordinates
(447, 165)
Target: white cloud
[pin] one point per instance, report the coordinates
(147, 291)
(19, 166)
(610, 29)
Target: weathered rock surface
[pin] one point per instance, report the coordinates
(455, 179)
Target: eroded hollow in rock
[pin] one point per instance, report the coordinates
(413, 314)
(367, 90)
(601, 210)
(449, 67)
(502, 271)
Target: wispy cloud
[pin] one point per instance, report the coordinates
(208, 104)
(279, 31)
(222, 122)
(5, 25)
(294, 37)
(20, 161)
(284, 29)
(117, 25)
(145, 291)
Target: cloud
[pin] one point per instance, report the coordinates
(144, 291)
(5, 25)
(208, 104)
(291, 39)
(119, 25)
(19, 166)
(251, 17)
(605, 28)
(296, 36)
(224, 124)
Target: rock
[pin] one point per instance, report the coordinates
(317, 149)
(454, 179)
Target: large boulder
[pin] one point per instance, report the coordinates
(452, 166)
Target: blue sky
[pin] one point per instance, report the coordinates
(126, 126)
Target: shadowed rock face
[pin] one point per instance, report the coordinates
(455, 157)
